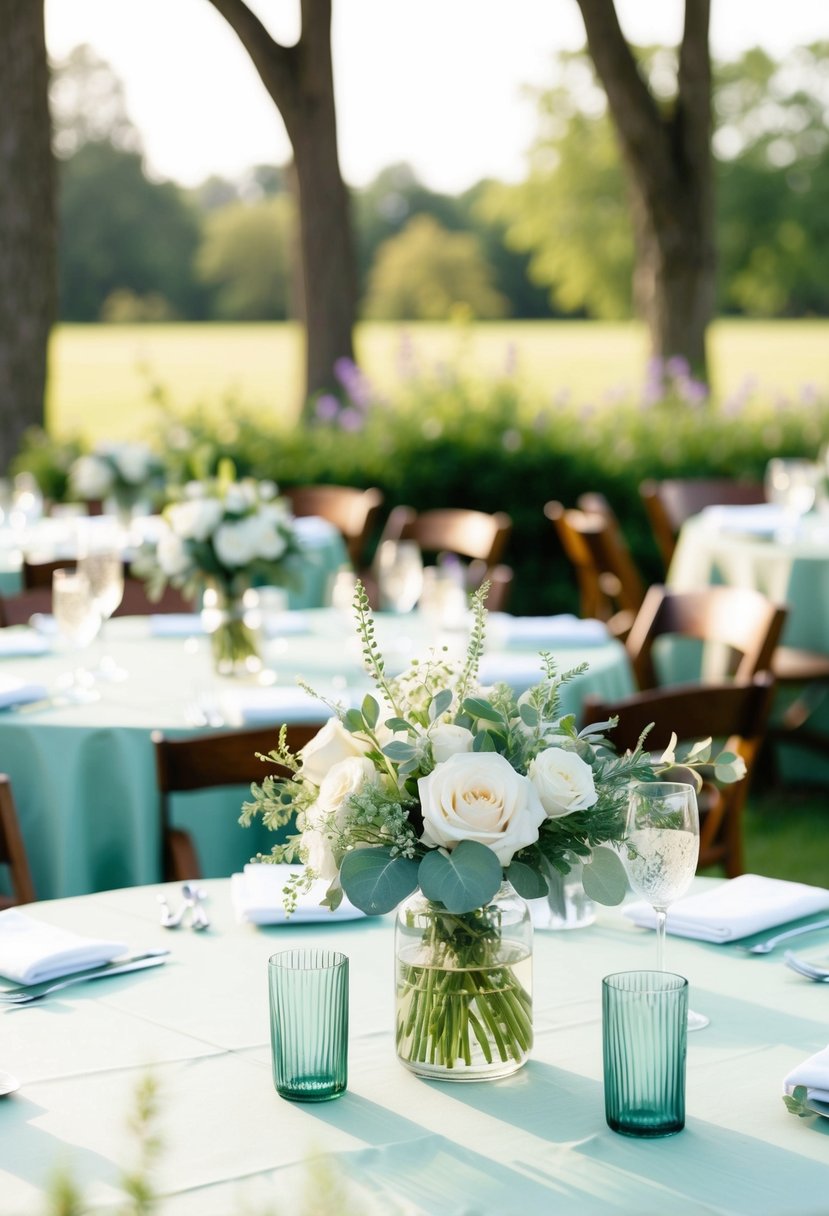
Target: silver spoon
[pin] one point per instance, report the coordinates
(193, 896)
(8, 1084)
(171, 920)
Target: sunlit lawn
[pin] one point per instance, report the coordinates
(100, 376)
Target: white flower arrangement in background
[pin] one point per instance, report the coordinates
(129, 473)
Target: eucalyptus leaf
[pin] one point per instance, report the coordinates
(482, 709)
(462, 880)
(604, 879)
(439, 704)
(376, 882)
(397, 724)
(371, 711)
(483, 742)
(796, 1103)
(353, 721)
(527, 881)
(528, 713)
(399, 750)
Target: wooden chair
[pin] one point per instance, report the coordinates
(13, 850)
(611, 588)
(734, 713)
(37, 576)
(744, 622)
(17, 609)
(351, 510)
(206, 762)
(669, 502)
(479, 537)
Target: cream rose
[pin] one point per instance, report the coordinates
(91, 477)
(449, 740)
(564, 782)
(325, 816)
(479, 796)
(328, 747)
(196, 518)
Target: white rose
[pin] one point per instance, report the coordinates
(196, 518)
(269, 541)
(479, 796)
(235, 544)
(91, 477)
(564, 782)
(328, 747)
(326, 815)
(449, 740)
(172, 554)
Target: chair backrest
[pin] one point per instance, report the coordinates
(351, 510)
(13, 850)
(736, 714)
(210, 761)
(671, 501)
(472, 534)
(17, 609)
(610, 586)
(743, 621)
(37, 576)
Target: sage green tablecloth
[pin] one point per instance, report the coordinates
(791, 570)
(84, 775)
(535, 1144)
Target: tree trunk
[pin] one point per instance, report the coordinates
(669, 165)
(28, 235)
(300, 80)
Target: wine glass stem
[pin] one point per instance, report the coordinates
(661, 919)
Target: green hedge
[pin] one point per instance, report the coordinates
(452, 440)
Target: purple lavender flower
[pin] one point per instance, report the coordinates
(351, 420)
(809, 394)
(327, 408)
(694, 392)
(354, 382)
(677, 367)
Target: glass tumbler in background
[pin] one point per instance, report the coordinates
(309, 1023)
(644, 1036)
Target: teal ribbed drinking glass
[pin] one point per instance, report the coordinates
(644, 1033)
(309, 1023)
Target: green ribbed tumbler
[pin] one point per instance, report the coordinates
(645, 1033)
(309, 1023)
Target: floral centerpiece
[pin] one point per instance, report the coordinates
(126, 473)
(222, 537)
(448, 801)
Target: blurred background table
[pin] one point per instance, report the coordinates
(84, 774)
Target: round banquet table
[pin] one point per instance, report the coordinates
(535, 1143)
(790, 567)
(84, 774)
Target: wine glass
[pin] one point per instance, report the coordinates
(399, 575)
(792, 485)
(104, 569)
(77, 620)
(662, 842)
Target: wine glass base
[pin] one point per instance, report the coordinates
(697, 1021)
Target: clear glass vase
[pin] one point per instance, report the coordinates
(234, 640)
(464, 988)
(565, 906)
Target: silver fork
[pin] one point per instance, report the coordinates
(821, 974)
(769, 944)
(153, 959)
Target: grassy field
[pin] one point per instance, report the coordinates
(101, 376)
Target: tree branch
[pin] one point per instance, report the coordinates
(635, 113)
(275, 63)
(694, 112)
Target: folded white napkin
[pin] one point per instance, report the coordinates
(737, 908)
(20, 692)
(249, 706)
(257, 897)
(176, 624)
(32, 951)
(14, 642)
(539, 631)
(758, 519)
(814, 1074)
